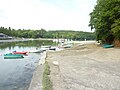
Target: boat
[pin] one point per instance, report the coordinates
(108, 45)
(12, 56)
(44, 49)
(45, 46)
(15, 52)
(36, 51)
(52, 48)
(67, 46)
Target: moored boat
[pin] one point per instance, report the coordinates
(36, 51)
(45, 46)
(52, 48)
(12, 56)
(15, 52)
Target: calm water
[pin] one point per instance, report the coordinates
(16, 74)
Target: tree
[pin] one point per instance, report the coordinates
(105, 19)
(74, 35)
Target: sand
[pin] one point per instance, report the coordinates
(85, 67)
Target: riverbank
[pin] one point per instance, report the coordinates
(23, 39)
(85, 67)
(36, 82)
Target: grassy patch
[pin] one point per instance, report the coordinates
(47, 84)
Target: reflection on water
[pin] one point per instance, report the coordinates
(32, 43)
(16, 74)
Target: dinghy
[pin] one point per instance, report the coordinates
(15, 52)
(12, 56)
(107, 46)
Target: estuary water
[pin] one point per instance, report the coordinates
(16, 74)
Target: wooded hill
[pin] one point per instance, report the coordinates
(66, 34)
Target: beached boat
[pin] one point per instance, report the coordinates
(12, 56)
(15, 52)
(107, 46)
(67, 46)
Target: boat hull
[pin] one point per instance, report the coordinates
(36, 51)
(107, 46)
(13, 56)
(19, 52)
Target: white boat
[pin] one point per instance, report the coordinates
(67, 46)
(45, 46)
(44, 49)
(36, 51)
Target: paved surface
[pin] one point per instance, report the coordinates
(36, 83)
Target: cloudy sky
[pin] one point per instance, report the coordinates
(47, 14)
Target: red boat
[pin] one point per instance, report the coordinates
(19, 52)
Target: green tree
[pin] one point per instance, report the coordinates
(105, 19)
(22, 33)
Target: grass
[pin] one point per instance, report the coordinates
(47, 84)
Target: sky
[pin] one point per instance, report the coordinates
(46, 14)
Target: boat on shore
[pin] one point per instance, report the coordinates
(67, 46)
(12, 56)
(108, 45)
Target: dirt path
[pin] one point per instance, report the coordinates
(86, 67)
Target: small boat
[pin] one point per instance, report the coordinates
(44, 49)
(52, 48)
(36, 51)
(13, 56)
(15, 52)
(45, 46)
(67, 46)
(107, 46)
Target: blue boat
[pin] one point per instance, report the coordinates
(13, 56)
(108, 45)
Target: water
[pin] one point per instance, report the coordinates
(16, 74)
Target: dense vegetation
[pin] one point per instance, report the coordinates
(105, 19)
(75, 35)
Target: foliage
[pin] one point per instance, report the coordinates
(105, 19)
(68, 34)
(47, 84)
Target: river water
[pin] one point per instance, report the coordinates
(16, 74)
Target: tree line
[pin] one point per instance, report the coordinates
(105, 19)
(42, 33)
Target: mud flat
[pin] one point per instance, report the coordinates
(85, 67)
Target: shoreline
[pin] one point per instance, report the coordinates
(36, 81)
(85, 66)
